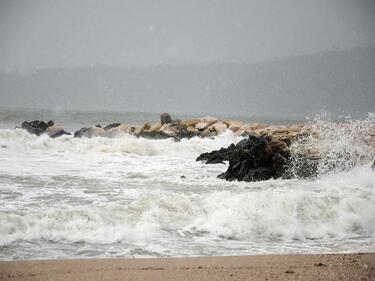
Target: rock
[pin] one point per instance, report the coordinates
(239, 133)
(209, 120)
(219, 127)
(373, 166)
(117, 131)
(207, 133)
(191, 122)
(192, 131)
(252, 159)
(165, 118)
(55, 132)
(155, 127)
(111, 126)
(36, 127)
(90, 132)
(201, 126)
(145, 127)
(235, 126)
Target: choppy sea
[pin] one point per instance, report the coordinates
(133, 197)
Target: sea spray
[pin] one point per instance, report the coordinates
(333, 145)
(125, 196)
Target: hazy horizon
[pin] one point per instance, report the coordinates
(242, 57)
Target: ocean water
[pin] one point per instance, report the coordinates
(133, 197)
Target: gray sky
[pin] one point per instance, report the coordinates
(37, 34)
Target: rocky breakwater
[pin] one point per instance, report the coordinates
(302, 151)
(168, 127)
(38, 128)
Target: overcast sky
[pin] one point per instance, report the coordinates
(37, 34)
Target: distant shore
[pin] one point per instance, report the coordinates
(268, 267)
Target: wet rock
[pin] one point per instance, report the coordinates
(36, 127)
(111, 126)
(155, 127)
(165, 118)
(209, 120)
(373, 166)
(90, 132)
(219, 127)
(252, 159)
(55, 132)
(191, 122)
(118, 131)
(235, 126)
(201, 126)
(145, 127)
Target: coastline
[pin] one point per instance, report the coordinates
(353, 266)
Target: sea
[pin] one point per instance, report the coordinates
(134, 197)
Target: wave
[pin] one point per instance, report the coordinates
(335, 206)
(19, 139)
(339, 145)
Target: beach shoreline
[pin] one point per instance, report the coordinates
(353, 266)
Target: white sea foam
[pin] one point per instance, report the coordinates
(69, 197)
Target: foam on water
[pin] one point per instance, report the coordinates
(125, 196)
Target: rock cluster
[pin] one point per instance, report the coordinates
(207, 126)
(252, 159)
(168, 127)
(37, 127)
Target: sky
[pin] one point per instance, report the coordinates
(41, 33)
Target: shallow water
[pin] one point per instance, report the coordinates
(122, 197)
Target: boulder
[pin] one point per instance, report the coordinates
(111, 126)
(165, 118)
(201, 126)
(90, 132)
(54, 132)
(192, 131)
(240, 133)
(252, 159)
(145, 127)
(155, 127)
(235, 126)
(117, 131)
(219, 127)
(207, 133)
(191, 122)
(36, 127)
(209, 120)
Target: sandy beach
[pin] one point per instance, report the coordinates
(285, 267)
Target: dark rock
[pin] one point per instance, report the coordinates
(110, 126)
(165, 118)
(50, 123)
(81, 132)
(373, 166)
(35, 127)
(252, 159)
(60, 133)
(98, 126)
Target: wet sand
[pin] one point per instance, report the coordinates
(284, 267)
